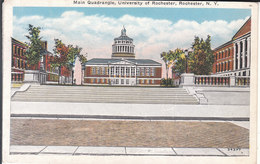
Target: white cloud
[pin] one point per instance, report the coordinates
(95, 33)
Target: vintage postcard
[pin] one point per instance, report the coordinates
(97, 81)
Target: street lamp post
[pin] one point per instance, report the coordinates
(186, 57)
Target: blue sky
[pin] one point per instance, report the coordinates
(153, 30)
(173, 14)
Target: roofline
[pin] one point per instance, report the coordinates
(155, 64)
(223, 45)
(20, 42)
(241, 27)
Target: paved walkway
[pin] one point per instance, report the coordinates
(193, 134)
(130, 111)
(140, 151)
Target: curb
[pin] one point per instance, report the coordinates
(131, 117)
(126, 151)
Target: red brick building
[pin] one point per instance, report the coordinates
(233, 57)
(223, 58)
(20, 65)
(122, 72)
(122, 68)
(19, 61)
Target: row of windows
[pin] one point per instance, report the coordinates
(223, 54)
(122, 71)
(122, 81)
(19, 63)
(223, 66)
(18, 50)
(119, 41)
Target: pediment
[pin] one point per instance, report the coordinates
(123, 62)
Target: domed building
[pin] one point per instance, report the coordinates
(123, 46)
(122, 68)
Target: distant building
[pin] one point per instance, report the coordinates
(233, 57)
(122, 68)
(48, 74)
(19, 61)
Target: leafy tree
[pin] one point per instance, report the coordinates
(202, 58)
(178, 61)
(35, 50)
(65, 55)
(82, 59)
(169, 58)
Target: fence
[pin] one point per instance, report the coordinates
(213, 80)
(17, 76)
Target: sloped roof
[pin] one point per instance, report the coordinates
(243, 30)
(123, 37)
(223, 45)
(105, 61)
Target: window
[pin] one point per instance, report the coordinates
(138, 72)
(18, 62)
(98, 70)
(152, 81)
(127, 81)
(117, 81)
(107, 70)
(127, 71)
(13, 62)
(122, 71)
(93, 70)
(147, 71)
(122, 81)
(142, 72)
(133, 71)
(112, 70)
(18, 49)
(153, 70)
(117, 71)
(98, 80)
(228, 52)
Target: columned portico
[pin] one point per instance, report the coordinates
(242, 56)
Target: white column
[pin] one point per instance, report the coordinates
(135, 75)
(125, 72)
(243, 54)
(119, 71)
(234, 57)
(130, 71)
(238, 63)
(248, 52)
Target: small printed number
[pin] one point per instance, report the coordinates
(234, 149)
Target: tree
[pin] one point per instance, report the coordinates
(35, 50)
(82, 59)
(202, 58)
(177, 61)
(65, 55)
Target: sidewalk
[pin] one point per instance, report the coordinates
(140, 151)
(130, 111)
